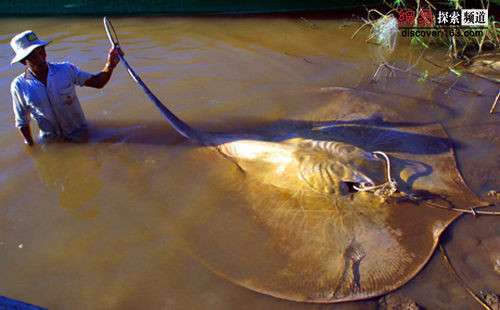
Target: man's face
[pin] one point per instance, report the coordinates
(36, 58)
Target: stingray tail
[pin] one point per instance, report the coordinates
(180, 126)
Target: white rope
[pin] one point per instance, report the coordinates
(383, 190)
(387, 189)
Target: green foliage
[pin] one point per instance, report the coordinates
(458, 73)
(416, 41)
(454, 3)
(398, 3)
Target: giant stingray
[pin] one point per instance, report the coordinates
(331, 240)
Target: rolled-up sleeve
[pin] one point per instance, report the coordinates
(79, 76)
(21, 112)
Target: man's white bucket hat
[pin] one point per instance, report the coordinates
(24, 43)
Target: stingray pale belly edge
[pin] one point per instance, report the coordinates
(304, 164)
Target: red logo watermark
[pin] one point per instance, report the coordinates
(407, 18)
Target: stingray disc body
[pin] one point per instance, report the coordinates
(310, 247)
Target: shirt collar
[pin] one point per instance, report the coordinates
(29, 75)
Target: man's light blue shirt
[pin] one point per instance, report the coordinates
(55, 107)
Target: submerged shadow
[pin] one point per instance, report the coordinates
(384, 139)
(418, 170)
(371, 134)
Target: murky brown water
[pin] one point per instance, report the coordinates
(106, 225)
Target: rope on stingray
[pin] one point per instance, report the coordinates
(384, 190)
(472, 210)
(387, 189)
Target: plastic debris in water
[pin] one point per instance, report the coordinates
(8, 303)
(385, 31)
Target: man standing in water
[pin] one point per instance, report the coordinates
(46, 91)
